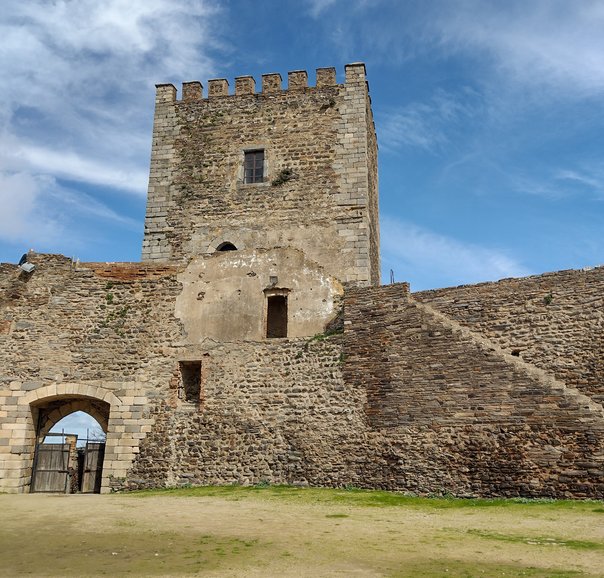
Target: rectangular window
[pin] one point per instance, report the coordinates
(191, 380)
(276, 316)
(253, 166)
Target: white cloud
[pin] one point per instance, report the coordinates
(552, 42)
(36, 211)
(414, 252)
(428, 125)
(590, 179)
(533, 44)
(23, 218)
(319, 6)
(84, 204)
(78, 99)
(72, 166)
(586, 181)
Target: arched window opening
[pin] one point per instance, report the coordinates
(226, 247)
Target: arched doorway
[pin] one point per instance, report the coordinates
(61, 464)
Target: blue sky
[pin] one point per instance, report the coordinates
(80, 423)
(490, 119)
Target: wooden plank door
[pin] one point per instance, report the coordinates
(51, 469)
(93, 467)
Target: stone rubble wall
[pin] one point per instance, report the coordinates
(554, 321)
(94, 331)
(275, 412)
(96, 321)
(457, 414)
(406, 399)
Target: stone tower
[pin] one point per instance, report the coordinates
(281, 168)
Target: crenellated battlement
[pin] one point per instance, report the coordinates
(271, 83)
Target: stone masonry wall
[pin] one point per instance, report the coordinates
(373, 196)
(406, 399)
(455, 413)
(275, 411)
(326, 205)
(97, 331)
(554, 321)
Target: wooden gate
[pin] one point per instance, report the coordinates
(51, 468)
(93, 467)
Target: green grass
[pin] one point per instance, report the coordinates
(140, 551)
(539, 540)
(367, 498)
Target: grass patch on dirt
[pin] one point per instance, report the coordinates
(368, 498)
(140, 552)
(539, 540)
(288, 531)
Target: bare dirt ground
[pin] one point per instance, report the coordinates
(295, 532)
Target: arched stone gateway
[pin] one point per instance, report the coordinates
(61, 463)
(58, 466)
(33, 413)
(50, 412)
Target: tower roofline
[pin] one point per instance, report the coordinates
(271, 83)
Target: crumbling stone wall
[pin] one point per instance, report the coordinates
(320, 188)
(224, 295)
(96, 321)
(554, 321)
(406, 399)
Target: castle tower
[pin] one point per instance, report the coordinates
(280, 168)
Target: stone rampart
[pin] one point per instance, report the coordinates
(554, 321)
(455, 413)
(81, 337)
(406, 399)
(275, 412)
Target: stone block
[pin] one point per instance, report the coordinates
(245, 85)
(326, 77)
(218, 87)
(271, 83)
(297, 79)
(192, 91)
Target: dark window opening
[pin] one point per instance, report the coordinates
(253, 166)
(516, 352)
(191, 380)
(276, 316)
(226, 247)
